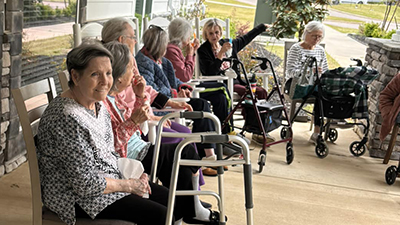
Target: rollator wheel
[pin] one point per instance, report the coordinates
(391, 174)
(357, 149)
(289, 153)
(321, 149)
(284, 131)
(333, 135)
(261, 162)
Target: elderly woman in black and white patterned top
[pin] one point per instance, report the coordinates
(313, 34)
(77, 162)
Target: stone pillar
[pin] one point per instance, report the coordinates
(13, 150)
(5, 98)
(383, 55)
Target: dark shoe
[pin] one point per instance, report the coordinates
(227, 151)
(214, 219)
(206, 205)
(209, 172)
(215, 168)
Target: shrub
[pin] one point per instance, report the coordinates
(369, 28)
(373, 30)
(389, 34)
(70, 10)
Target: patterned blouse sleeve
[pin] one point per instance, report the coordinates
(78, 155)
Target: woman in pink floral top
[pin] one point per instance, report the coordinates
(125, 118)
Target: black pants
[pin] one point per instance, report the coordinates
(137, 209)
(184, 204)
(202, 125)
(317, 110)
(219, 101)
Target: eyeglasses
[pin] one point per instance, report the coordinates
(318, 37)
(130, 37)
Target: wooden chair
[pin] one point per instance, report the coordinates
(63, 77)
(29, 119)
(392, 143)
(89, 19)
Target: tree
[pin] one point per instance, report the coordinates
(293, 15)
(389, 4)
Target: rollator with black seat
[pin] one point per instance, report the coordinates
(340, 94)
(262, 117)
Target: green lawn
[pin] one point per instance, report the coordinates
(240, 15)
(344, 29)
(341, 19)
(374, 11)
(54, 46)
(230, 2)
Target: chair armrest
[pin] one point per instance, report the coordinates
(211, 78)
(181, 99)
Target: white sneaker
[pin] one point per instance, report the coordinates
(211, 158)
(313, 138)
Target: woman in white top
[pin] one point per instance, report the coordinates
(313, 34)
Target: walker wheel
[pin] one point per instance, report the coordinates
(391, 174)
(357, 149)
(333, 135)
(261, 162)
(289, 153)
(321, 149)
(284, 131)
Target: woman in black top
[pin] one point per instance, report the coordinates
(214, 49)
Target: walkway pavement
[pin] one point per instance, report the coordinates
(336, 13)
(341, 47)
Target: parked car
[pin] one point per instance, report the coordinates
(353, 1)
(335, 2)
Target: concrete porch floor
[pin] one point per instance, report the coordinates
(340, 189)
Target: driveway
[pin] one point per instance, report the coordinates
(54, 5)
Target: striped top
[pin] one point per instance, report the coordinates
(297, 56)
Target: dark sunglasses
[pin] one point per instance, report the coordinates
(156, 27)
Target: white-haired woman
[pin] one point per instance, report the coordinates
(180, 32)
(313, 34)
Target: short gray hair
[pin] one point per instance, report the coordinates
(115, 28)
(78, 58)
(210, 24)
(179, 30)
(122, 54)
(155, 40)
(313, 26)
